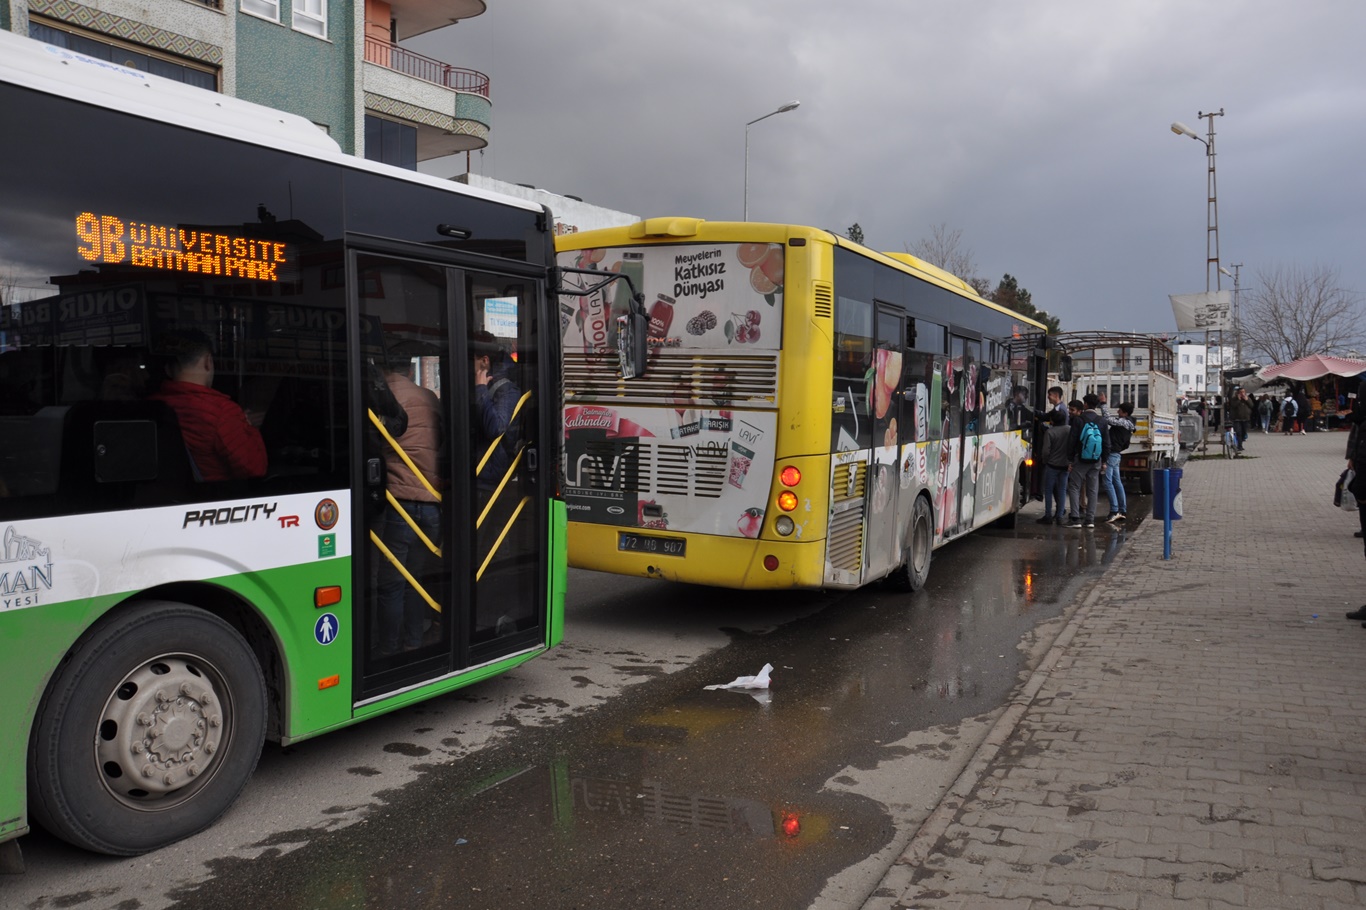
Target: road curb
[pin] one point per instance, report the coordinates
(922, 843)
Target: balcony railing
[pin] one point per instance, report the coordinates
(401, 60)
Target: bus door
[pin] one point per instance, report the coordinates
(448, 563)
(884, 537)
(964, 416)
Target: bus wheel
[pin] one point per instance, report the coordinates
(148, 732)
(915, 565)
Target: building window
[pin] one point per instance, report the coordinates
(390, 142)
(1200, 359)
(266, 9)
(133, 56)
(310, 16)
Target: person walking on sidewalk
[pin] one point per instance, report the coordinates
(1264, 408)
(1054, 455)
(1288, 410)
(1240, 411)
(1302, 412)
(1121, 431)
(1089, 448)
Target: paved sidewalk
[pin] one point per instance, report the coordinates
(1196, 737)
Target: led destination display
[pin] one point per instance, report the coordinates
(111, 240)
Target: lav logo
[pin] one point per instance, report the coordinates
(25, 571)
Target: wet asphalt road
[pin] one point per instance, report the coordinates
(661, 794)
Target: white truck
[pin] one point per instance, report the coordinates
(1126, 367)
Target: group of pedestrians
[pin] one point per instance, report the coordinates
(1297, 413)
(1080, 447)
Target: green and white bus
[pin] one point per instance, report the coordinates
(160, 618)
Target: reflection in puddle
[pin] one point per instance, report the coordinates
(654, 802)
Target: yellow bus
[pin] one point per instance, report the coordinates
(814, 414)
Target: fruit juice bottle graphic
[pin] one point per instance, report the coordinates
(922, 412)
(740, 460)
(661, 317)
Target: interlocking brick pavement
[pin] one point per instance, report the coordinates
(1196, 737)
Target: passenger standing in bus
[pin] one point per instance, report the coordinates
(222, 442)
(1055, 403)
(404, 615)
(495, 401)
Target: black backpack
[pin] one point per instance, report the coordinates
(1119, 437)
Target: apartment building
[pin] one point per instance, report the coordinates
(340, 64)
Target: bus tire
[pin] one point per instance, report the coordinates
(148, 732)
(911, 575)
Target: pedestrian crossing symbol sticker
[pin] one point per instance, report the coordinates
(325, 629)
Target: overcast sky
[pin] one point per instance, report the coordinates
(1040, 130)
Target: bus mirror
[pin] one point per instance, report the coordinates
(1065, 368)
(632, 343)
(633, 327)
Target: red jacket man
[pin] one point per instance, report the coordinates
(223, 444)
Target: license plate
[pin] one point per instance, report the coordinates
(643, 543)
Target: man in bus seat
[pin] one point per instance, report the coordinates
(405, 617)
(1083, 485)
(221, 440)
(495, 399)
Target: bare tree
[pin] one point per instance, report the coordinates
(1296, 311)
(944, 248)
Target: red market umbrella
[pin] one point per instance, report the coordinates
(1313, 367)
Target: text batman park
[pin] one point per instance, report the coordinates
(112, 240)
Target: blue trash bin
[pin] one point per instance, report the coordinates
(1167, 493)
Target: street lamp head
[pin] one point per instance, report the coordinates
(1181, 129)
(790, 106)
(1224, 271)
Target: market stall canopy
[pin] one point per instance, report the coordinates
(1313, 367)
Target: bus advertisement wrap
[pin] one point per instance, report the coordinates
(696, 296)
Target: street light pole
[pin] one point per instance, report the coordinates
(790, 106)
(1212, 268)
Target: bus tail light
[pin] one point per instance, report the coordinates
(771, 563)
(790, 476)
(787, 500)
(784, 525)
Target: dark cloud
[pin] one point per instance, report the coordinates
(1040, 130)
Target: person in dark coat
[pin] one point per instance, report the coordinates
(1356, 460)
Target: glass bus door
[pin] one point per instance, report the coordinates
(885, 518)
(448, 539)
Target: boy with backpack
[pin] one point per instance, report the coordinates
(1121, 432)
(1090, 447)
(1288, 411)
